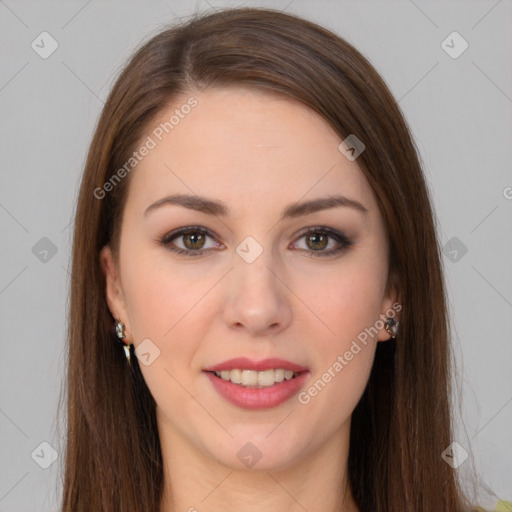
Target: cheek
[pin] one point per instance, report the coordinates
(160, 298)
(164, 306)
(347, 302)
(348, 298)
(149, 299)
(343, 357)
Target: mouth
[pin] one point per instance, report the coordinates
(256, 379)
(259, 389)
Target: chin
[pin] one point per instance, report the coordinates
(256, 450)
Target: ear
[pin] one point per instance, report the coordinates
(391, 304)
(113, 288)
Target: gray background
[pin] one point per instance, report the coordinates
(459, 110)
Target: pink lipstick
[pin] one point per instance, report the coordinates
(251, 384)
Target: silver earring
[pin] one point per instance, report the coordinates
(392, 327)
(121, 335)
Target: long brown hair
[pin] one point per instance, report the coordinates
(402, 424)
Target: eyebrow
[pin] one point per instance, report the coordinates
(218, 208)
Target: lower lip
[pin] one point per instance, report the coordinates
(258, 398)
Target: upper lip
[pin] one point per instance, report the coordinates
(243, 363)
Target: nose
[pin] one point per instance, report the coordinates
(258, 298)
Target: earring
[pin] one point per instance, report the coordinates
(392, 327)
(121, 335)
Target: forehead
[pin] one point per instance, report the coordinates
(244, 146)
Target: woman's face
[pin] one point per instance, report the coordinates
(253, 285)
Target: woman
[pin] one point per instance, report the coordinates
(254, 223)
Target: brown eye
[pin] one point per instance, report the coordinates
(193, 241)
(318, 239)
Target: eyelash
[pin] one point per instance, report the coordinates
(337, 236)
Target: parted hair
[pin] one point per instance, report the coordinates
(402, 423)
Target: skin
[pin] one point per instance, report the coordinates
(257, 153)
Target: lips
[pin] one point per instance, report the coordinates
(244, 363)
(257, 397)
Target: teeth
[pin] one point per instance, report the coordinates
(249, 378)
(235, 376)
(265, 378)
(279, 375)
(254, 379)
